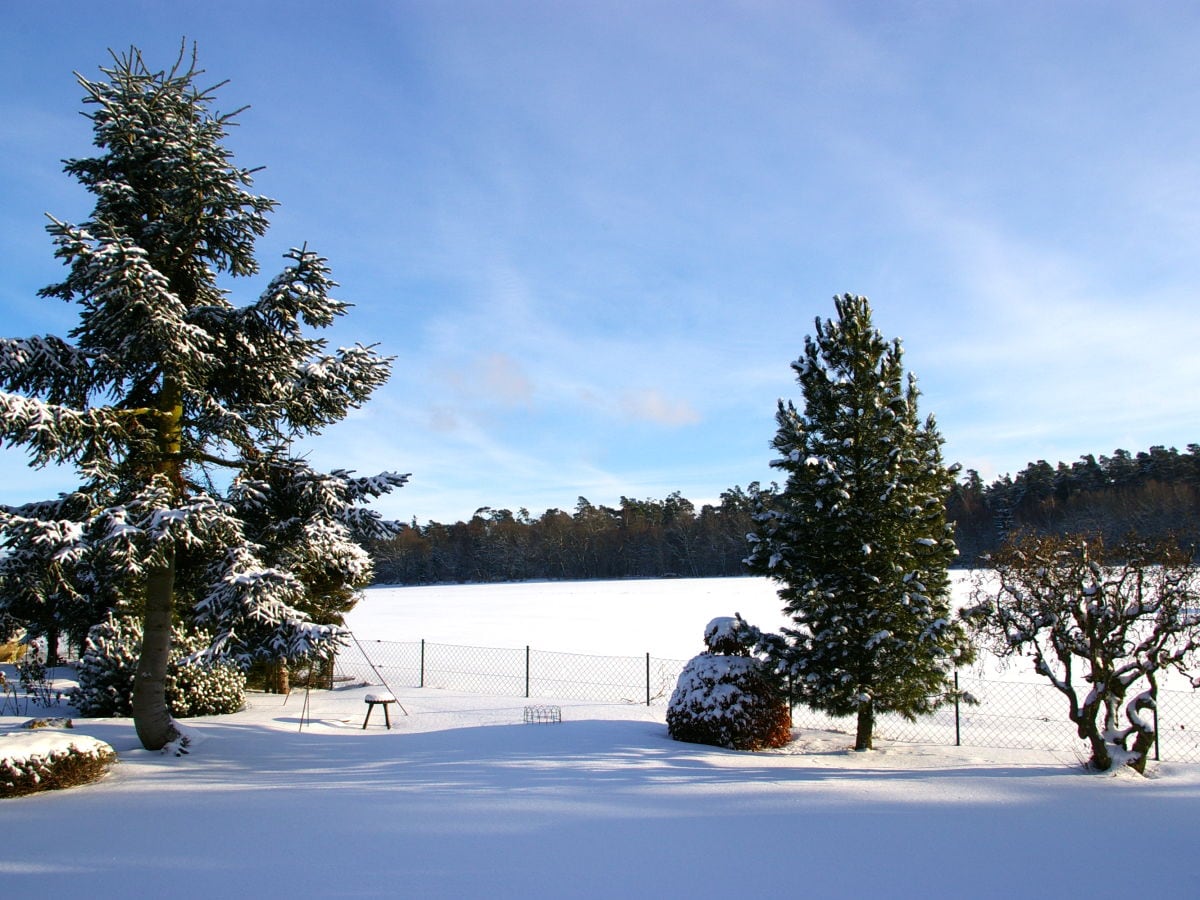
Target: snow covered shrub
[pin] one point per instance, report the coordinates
(107, 668)
(45, 762)
(725, 697)
(109, 664)
(204, 689)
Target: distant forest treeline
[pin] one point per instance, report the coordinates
(1153, 493)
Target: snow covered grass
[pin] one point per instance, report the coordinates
(461, 799)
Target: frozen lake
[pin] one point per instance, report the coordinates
(663, 617)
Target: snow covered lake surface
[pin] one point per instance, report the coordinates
(665, 618)
(461, 799)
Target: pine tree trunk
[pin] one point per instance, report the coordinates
(864, 739)
(151, 718)
(278, 678)
(52, 636)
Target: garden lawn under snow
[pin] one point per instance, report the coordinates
(461, 799)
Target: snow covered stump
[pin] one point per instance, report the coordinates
(725, 697)
(374, 700)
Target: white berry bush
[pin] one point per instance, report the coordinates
(194, 688)
(725, 697)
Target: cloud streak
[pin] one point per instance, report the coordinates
(595, 238)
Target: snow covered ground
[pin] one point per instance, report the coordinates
(664, 617)
(461, 799)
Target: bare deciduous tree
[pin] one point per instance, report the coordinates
(1101, 623)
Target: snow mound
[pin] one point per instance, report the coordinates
(46, 760)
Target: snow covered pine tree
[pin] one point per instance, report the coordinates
(164, 385)
(858, 536)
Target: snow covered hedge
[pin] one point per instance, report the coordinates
(49, 760)
(109, 664)
(725, 697)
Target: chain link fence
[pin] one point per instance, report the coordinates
(511, 672)
(1021, 716)
(1004, 714)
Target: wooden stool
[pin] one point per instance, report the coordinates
(384, 700)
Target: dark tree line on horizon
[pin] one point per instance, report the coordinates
(1154, 494)
(637, 539)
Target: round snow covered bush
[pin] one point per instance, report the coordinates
(107, 668)
(208, 689)
(46, 761)
(109, 664)
(725, 697)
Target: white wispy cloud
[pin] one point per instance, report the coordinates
(652, 405)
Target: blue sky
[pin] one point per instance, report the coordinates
(595, 234)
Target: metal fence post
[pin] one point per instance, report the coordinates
(957, 721)
(422, 662)
(1155, 711)
(526, 671)
(647, 678)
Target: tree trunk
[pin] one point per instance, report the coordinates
(1089, 729)
(864, 739)
(52, 635)
(151, 718)
(1146, 735)
(278, 680)
(150, 715)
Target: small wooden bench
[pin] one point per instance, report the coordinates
(374, 700)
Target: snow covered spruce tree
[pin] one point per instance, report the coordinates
(177, 407)
(857, 536)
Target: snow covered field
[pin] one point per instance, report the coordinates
(664, 617)
(460, 799)
(630, 618)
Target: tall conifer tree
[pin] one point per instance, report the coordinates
(165, 391)
(858, 537)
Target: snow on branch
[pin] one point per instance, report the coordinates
(1099, 623)
(45, 366)
(54, 433)
(253, 611)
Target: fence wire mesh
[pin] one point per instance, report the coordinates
(1006, 714)
(510, 672)
(1021, 716)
